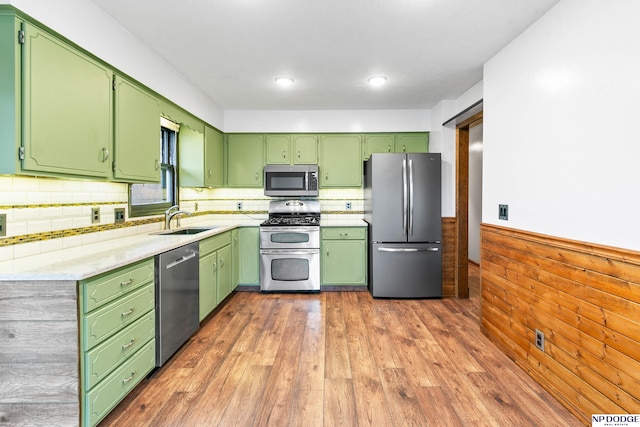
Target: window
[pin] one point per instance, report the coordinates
(154, 199)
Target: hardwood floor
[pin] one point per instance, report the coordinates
(340, 358)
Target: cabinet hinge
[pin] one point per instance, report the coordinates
(21, 37)
(21, 153)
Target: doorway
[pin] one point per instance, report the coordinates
(462, 204)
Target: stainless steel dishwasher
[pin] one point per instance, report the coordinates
(177, 299)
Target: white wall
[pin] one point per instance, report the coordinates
(327, 121)
(90, 28)
(560, 141)
(475, 191)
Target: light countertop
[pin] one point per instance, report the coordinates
(82, 262)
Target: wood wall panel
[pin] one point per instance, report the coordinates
(448, 256)
(585, 299)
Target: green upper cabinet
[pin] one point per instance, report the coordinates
(245, 160)
(295, 149)
(200, 157)
(137, 133)
(340, 160)
(412, 143)
(10, 90)
(305, 149)
(67, 108)
(278, 149)
(396, 143)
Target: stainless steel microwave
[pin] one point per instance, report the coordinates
(291, 181)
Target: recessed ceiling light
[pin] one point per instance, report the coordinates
(377, 80)
(284, 81)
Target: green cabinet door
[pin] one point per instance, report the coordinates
(412, 143)
(305, 149)
(245, 160)
(235, 258)
(278, 149)
(200, 157)
(213, 158)
(225, 268)
(378, 143)
(340, 160)
(10, 90)
(67, 109)
(344, 256)
(249, 260)
(137, 133)
(208, 284)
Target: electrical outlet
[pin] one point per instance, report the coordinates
(503, 212)
(3, 225)
(540, 340)
(239, 206)
(348, 206)
(119, 214)
(195, 207)
(95, 215)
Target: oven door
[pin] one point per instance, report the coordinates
(290, 270)
(289, 237)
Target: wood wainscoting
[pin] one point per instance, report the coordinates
(585, 298)
(448, 257)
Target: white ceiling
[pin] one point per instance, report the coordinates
(232, 49)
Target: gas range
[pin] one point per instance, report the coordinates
(287, 213)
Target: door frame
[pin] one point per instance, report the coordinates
(462, 205)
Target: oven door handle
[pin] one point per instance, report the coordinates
(289, 251)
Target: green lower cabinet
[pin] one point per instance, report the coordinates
(208, 284)
(225, 265)
(105, 396)
(235, 258)
(117, 336)
(344, 256)
(249, 259)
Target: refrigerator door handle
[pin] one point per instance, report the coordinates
(410, 233)
(408, 250)
(404, 197)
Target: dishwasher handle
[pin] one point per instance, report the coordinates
(181, 260)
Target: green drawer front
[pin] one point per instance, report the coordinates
(106, 395)
(111, 353)
(100, 290)
(346, 233)
(214, 243)
(102, 323)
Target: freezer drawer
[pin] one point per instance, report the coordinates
(401, 270)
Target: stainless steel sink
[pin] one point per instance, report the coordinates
(185, 231)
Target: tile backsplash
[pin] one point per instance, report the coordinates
(48, 214)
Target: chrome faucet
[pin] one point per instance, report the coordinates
(169, 214)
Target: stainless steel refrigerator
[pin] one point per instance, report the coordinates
(403, 209)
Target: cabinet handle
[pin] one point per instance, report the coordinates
(126, 380)
(221, 262)
(327, 252)
(209, 172)
(326, 176)
(105, 154)
(156, 164)
(128, 312)
(126, 283)
(284, 154)
(344, 234)
(215, 267)
(298, 153)
(129, 344)
(404, 148)
(256, 176)
(388, 148)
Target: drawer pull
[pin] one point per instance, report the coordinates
(128, 312)
(129, 344)
(129, 378)
(126, 283)
(344, 234)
